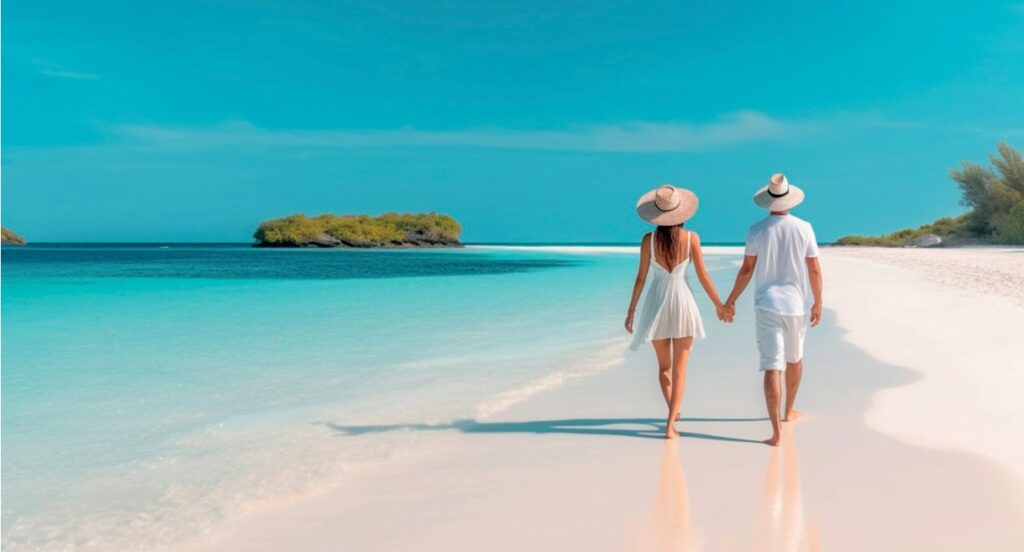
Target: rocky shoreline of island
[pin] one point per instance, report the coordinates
(9, 237)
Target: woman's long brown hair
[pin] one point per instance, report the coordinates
(669, 244)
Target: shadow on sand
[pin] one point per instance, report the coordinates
(650, 428)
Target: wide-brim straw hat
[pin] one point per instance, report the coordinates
(667, 205)
(779, 194)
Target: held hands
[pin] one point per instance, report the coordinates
(726, 313)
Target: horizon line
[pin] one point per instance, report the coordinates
(516, 243)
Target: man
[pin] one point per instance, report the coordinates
(782, 256)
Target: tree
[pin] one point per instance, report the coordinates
(996, 197)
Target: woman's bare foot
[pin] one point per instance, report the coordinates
(793, 416)
(773, 442)
(670, 432)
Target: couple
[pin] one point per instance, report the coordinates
(781, 255)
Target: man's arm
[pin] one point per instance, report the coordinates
(814, 271)
(742, 279)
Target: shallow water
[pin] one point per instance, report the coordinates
(152, 393)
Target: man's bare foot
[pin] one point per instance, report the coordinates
(773, 442)
(670, 432)
(793, 416)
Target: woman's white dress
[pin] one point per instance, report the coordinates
(669, 309)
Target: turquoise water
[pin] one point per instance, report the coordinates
(151, 394)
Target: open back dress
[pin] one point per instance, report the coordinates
(669, 310)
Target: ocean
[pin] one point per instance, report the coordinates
(153, 393)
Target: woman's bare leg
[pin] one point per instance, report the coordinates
(663, 349)
(680, 356)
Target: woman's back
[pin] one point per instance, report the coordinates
(670, 257)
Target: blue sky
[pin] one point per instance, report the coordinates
(528, 121)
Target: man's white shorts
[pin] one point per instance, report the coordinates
(780, 338)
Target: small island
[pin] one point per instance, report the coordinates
(10, 238)
(996, 198)
(390, 230)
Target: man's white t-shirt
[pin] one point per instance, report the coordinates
(782, 244)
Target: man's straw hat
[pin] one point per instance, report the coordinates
(779, 194)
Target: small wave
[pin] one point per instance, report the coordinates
(599, 361)
(571, 249)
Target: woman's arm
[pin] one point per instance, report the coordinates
(641, 278)
(702, 274)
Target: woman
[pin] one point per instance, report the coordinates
(669, 319)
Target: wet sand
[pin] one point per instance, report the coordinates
(584, 468)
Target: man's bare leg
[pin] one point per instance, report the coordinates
(794, 372)
(772, 397)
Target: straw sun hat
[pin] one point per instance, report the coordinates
(779, 194)
(667, 206)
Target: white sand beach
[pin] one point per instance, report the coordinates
(996, 272)
(911, 440)
(953, 316)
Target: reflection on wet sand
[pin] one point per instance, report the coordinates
(671, 529)
(781, 522)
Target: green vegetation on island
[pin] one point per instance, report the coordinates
(996, 199)
(10, 237)
(387, 230)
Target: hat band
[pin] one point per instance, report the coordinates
(776, 196)
(674, 205)
(672, 208)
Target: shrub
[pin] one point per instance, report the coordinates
(293, 230)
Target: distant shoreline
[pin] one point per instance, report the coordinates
(250, 245)
(470, 245)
